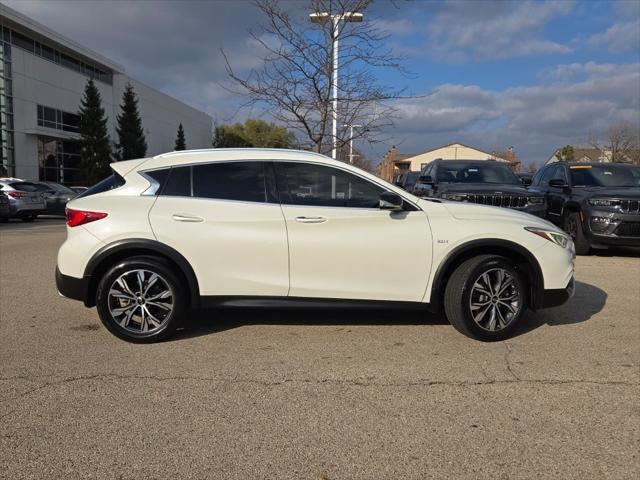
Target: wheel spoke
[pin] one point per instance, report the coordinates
(161, 305)
(160, 296)
(150, 283)
(125, 321)
(505, 285)
(140, 275)
(487, 282)
(123, 284)
(118, 294)
(492, 319)
(478, 318)
(152, 319)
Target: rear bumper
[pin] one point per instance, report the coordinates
(555, 297)
(72, 287)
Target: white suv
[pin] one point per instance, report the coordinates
(260, 228)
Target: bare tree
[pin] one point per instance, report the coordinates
(622, 143)
(295, 82)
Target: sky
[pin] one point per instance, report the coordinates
(535, 75)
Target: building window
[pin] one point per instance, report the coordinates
(7, 161)
(59, 161)
(49, 53)
(51, 118)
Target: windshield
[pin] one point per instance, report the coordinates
(605, 176)
(476, 172)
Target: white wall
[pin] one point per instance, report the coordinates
(455, 151)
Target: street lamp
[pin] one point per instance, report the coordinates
(323, 17)
(351, 155)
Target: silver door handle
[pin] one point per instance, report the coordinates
(311, 219)
(181, 217)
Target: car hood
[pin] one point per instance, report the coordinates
(484, 189)
(608, 192)
(472, 211)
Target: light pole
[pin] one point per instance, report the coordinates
(351, 155)
(323, 17)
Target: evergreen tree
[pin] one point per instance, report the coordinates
(95, 147)
(132, 143)
(181, 143)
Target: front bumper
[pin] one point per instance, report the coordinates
(556, 297)
(72, 287)
(610, 235)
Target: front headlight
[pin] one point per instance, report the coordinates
(604, 202)
(458, 197)
(535, 200)
(558, 238)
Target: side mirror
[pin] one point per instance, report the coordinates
(526, 181)
(428, 179)
(391, 201)
(558, 183)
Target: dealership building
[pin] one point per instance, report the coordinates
(42, 81)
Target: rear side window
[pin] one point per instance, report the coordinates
(109, 183)
(243, 181)
(178, 183)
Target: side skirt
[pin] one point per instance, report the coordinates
(210, 301)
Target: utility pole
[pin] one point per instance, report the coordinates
(322, 17)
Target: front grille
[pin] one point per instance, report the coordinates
(630, 206)
(628, 229)
(508, 201)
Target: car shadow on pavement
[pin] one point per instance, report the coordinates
(587, 301)
(205, 322)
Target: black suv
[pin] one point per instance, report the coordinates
(598, 204)
(487, 182)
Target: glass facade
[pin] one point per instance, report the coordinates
(8, 165)
(59, 161)
(27, 43)
(53, 118)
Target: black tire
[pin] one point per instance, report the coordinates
(29, 218)
(459, 290)
(170, 279)
(573, 226)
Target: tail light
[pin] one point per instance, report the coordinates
(17, 194)
(80, 217)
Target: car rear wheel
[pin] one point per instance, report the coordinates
(141, 300)
(573, 226)
(28, 218)
(485, 297)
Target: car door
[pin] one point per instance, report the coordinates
(556, 195)
(342, 245)
(224, 218)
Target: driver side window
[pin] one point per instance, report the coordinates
(320, 185)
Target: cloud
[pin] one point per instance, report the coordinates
(569, 103)
(494, 30)
(620, 37)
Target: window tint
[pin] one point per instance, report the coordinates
(308, 184)
(546, 176)
(179, 182)
(157, 178)
(28, 187)
(558, 174)
(538, 176)
(242, 181)
(109, 183)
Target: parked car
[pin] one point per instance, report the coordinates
(526, 178)
(57, 196)
(25, 199)
(407, 180)
(266, 228)
(485, 182)
(79, 189)
(5, 211)
(598, 204)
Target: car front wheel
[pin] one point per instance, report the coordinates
(573, 227)
(485, 297)
(141, 300)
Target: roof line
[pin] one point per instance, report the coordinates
(458, 143)
(206, 150)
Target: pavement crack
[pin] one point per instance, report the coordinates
(507, 360)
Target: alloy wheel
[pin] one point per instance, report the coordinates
(140, 301)
(495, 299)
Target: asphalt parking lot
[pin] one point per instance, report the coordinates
(339, 395)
